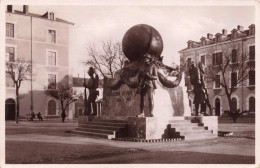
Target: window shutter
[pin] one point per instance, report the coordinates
(234, 79)
(213, 58)
(252, 52)
(220, 58)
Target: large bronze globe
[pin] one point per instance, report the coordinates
(141, 39)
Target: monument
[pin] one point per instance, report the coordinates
(146, 93)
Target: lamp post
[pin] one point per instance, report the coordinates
(31, 71)
(85, 95)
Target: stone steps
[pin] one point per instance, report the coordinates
(95, 122)
(102, 131)
(178, 121)
(111, 121)
(187, 132)
(188, 128)
(191, 128)
(102, 128)
(92, 134)
(117, 128)
(185, 124)
(202, 136)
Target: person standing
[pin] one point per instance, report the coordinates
(39, 116)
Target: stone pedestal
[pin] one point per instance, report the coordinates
(145, 128)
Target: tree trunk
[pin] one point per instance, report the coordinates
(63, 113)
(229, 103)
(17, 105)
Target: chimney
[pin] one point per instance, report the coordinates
(240, 28)
(10, 8)
(224, 32)
(209, 36)
(25, 9)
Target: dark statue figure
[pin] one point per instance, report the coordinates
(143, 45)
(92, 86)
(196, 79)
(147, 84)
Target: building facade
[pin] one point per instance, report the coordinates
(43, 40)
(238, 48)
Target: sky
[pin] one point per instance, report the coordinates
(176, 24)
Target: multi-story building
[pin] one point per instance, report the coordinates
(43, 40)
(213, 51)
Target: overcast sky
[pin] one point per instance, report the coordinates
(176, 24)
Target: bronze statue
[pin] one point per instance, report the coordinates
(147, 84)
(143, 45)
(92, 86)
(196, 79)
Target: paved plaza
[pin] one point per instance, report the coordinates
(49, 142)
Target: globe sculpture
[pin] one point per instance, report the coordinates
(141, 39)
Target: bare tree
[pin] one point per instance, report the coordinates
(232, 67)
(19, 71)
(64, 94)
(108, 60)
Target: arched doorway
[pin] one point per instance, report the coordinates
(217, 107)
(252, 104)
(10, 109)
(51, 107)
(234, 104)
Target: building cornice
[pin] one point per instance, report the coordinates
(216, 44)
(40, 17)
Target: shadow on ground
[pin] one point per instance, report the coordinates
(54, 153)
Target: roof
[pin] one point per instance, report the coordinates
(252, 25)
(78, 82)
(41, 16)
(241, 34)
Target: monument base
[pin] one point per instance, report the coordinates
(152, 128)
(144, 128)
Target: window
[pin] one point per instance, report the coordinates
(217, 58)
(52, 58)
(203, 42)
(233, 104)
(218, 38)
(9, 30)
(251, 77)
(51, 81)
(234, 35)
(233, 79)
(9, 53)
(51, 107)
(51, 16)
(234, 56)
(217, 81)
(8, 80)
(52, 36)
(202, 59)
(251, 52)
(189, 62)
(252, 31)
(252, 104)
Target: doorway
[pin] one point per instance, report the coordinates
(217, 107)
(10, 109)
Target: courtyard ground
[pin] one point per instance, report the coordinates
(48, 142)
